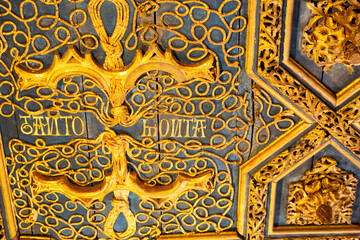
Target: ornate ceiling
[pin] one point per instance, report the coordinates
(172, 119)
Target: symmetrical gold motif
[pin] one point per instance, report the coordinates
(116, 84)
(120, 181)
(182, 185)
(52, 174)
(332, 34)
(325, 195)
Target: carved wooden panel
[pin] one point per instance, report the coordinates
(169, 119)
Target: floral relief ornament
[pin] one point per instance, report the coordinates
(325, 195)
(332, 34)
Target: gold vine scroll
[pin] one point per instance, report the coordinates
(45, 183)
(196, 178)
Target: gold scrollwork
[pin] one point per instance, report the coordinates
(116, 84)
(325, 195)
(49, 172)
(282, 118)
(335, 123)
(182, 186)
(258, 184)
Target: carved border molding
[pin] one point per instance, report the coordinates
(335, 99)
(263, 66)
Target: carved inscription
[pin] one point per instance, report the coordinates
(52, 126)
(180, 128)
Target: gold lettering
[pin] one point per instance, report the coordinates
(187, 133)
(82, 126)
(161, 127)
(176, 127)
(26, 128)
(66, 124)
(50, 126)
(38, 125)
(149, 128)
(196, 128)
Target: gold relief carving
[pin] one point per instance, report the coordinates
(51, 176)
(325, 195)
(323, 238)
(332, 34)
(121, 181)
(281, 115)
(115, 83)
(2, 229)
(335, 123)
(258, 183)
(111, 44)
(338, 123)
(41, 176)
(147, 7)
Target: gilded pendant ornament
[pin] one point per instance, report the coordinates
(332, 34)
(325, 195)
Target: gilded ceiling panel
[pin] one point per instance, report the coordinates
(169, 119)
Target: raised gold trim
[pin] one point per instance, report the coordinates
(249, 64)
(294, 230)
(35, 238)
(6, 194)
(201, 236)
(257, 160)
(115, 83)
(335, 99)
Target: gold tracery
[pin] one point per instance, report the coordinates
(191, 173)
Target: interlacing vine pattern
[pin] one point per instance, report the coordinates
(85, 161)
(61, 33)
(85, 95)
(336, 123)
(282, 118)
